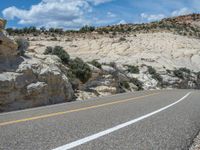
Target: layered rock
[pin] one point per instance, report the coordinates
(8, 47)
(30, 81)
(35, 82)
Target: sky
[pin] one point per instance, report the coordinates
(73, 14)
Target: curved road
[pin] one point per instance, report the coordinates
(148, 120)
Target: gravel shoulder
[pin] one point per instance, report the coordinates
(196, 144)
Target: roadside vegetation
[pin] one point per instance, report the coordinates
(23, 45)
(78, 68)
(138, 83)
(154, 74)
(133, 69)
(182, 73)
(96, 64)
(60, 52)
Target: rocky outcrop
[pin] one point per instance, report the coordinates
(30, 81)
(35, 82)
(8, 47)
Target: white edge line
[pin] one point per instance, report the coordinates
(110, 130)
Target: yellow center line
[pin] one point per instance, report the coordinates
(70, 111)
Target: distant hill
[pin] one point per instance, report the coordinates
(188, 25)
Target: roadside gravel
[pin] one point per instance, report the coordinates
(196, 144)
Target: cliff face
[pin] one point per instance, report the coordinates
(32, 80)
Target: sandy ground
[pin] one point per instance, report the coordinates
(161, 50)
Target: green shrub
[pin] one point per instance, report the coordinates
(185, 70)
(157, 77)
(60, 52)
(121, 39)
(80, 69)
(48, 50)
(179, 74)
(168, 71)
(23, 45)
(125, 84)
(138, 83)
(198, 75)
(96, 64)
(154, 74)
(151, 70)
(133, 69)
(87, 29)
(113, 64)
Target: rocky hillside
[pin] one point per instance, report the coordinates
(63, 66)
(188, 25)
(168, 44)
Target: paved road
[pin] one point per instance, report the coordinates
(149, 120)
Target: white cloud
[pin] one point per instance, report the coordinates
(122, 22)
(152, 17)
(54, 13)
(183, 11)
(111, 15)
(97, 2)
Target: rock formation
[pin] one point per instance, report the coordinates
(8, 47)
(30, 81)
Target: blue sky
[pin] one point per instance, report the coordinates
(72, 14)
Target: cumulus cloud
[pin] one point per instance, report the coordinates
(152, 17)
(122, 22)
(54, 13)
(111, 15)
(182, 11)
(97, 2)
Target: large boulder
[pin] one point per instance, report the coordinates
(2, 23)
(34, 83)
(7, 46)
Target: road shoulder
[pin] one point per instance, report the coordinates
(196, 143)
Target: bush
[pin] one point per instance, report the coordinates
(60, 52)
(168, 71)
(198, 75)
(122, 39)
(185, 70)
(154, 74)
(49, 50)
(125, 84)
(179, 74)
(138, 83)
(87, 29)
(80, 69)
(157, 77)
(151, 70)
(133, 69)
(113, 64)
(23, 45)
(96, 64)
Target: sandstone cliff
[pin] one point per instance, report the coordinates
(32, 80)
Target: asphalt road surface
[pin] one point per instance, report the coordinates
(148, 120)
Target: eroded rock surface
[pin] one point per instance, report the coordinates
(35, 82)
(8, 48)
(30, 81)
